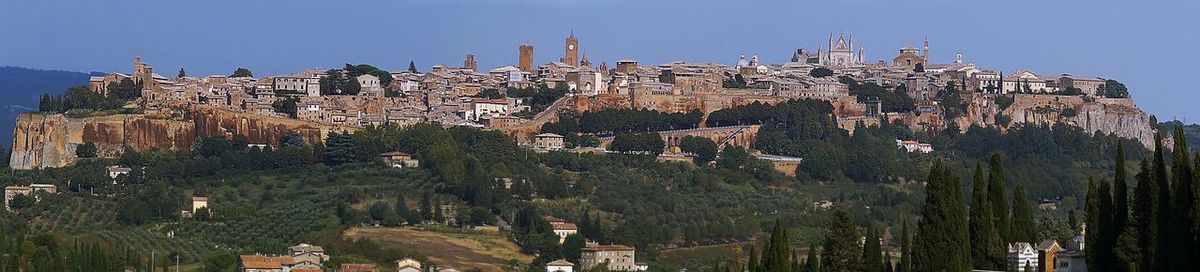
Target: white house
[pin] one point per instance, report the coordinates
(487, 107)
(563, 229)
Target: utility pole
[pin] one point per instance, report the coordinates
(176, 262)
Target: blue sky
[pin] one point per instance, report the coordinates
(1148, 45)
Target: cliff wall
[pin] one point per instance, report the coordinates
(1108, 115)
(41, 140)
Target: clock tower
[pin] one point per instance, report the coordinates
(571, 56)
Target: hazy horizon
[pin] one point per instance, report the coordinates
(1144, 45)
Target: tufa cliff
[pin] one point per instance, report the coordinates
(41, 140)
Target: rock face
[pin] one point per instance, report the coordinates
(41, 140)
(1107, 115)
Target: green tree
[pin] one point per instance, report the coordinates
(986, 251)
(872, 255)
(339, 148)
(703, 148)
(820, 72)
(571, 247)
(841, 250)
(1144, 214)
(85, 150)
(1115, 89)
(999, 198)
(379, 210)
(286, 106)
(291, 139)
(1091, 211)
(1183, 244)
(1024, 226)
(412, 67)
(1163, 256)
(941, 242)
(905, 249)
(776, 251)
(811, 262)
(242, 72)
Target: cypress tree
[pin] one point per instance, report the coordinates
(905, 249)
(1120, 192)
(986, 252)
(1091, 213)
(999, 198)
(752, 264)
(1105, 227)
(871, 258)
(1023, 227)
(1162, 246)
(941, 243)
(1144, 214)
(776, 252)
(841, 246)
(812, 263)
(1184, 202)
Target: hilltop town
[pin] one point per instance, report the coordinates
(910, 88)
(572, 165)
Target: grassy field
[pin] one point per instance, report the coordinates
(489, 252)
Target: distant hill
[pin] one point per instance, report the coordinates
(1191, 132)
(21, 87)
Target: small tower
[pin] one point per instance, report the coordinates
(754, 60)
(469, 62)
(958, 58)
(525, 64)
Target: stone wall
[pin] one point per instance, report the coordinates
(1107, 115)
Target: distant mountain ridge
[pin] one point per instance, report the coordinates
(21, 87)
(1190, 132)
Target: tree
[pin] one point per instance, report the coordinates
(242, 72)
(339, 148)
(811, 262)
(872, 255)
(1183, 244)
(905, 249)
(986, 251)
(703, 148)
(378, 210)
(21, 201)
(941, 242)
(412, 67)
(999, 198)
(776, 251)
(286, 106)
(1120, 192)
(820, 72)
(85, 150)
(842, 252)
(571, 247)
(291, 139)
(1145, 214)
(1091, 212)
(1023, 227)
(1115, 89)
(647, 143)
(1163, 256)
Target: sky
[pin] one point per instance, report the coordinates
(1148, 45)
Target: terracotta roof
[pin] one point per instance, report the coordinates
(17, 188)
(264, 262)
(607, 248)
(563, 226)
(560, 262)
(307, 270)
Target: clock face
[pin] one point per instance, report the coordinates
(571, 47)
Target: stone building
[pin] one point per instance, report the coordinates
(560, 266)
(841, 54)
(571, 53)
(548, 141)
(615, 257)
(11, 192)
(469, 63)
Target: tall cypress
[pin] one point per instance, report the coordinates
(999, 198)
(841, 250)
(1024, 228)
(986, 252)
(871, 258)
(1105, 228)
(905, 249)
(1162, 247)
(1184, 203)
(941, 243)
(776, 252)
(1120, 192)
(1091, 214)
(812, 263)
(1145, 214)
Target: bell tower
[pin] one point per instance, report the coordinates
(571, 55)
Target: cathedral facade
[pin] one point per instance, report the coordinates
(841, 54)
